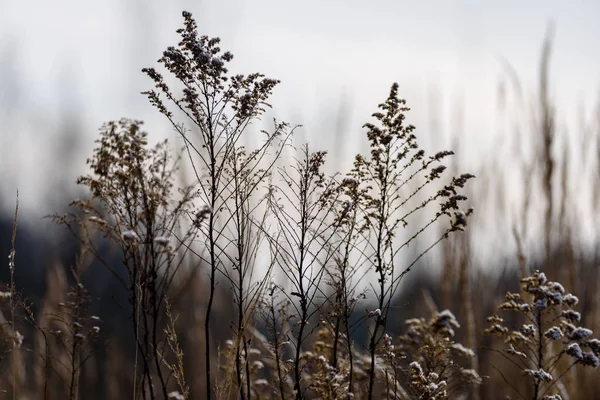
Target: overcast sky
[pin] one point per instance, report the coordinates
(65, 58)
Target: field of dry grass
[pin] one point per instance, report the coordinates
(249, 272)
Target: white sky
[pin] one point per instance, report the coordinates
(84, 58)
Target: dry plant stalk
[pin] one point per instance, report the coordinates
(549, 344)
(220, 108)
(321, 234)
(133, 207)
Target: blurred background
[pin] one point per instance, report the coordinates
(469, 71)
(511, 87)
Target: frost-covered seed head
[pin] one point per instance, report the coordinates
(463, 350)
(446, 316)
(528, 330)
(538, 374)
(388, 339)
(541, 304)
(258, 364)
(175, 395)
(591, 360)
(415, 368)
(594, 344)
(98, 221)
(18, 339)
(511, 350)
(555, 297)
(553, 333)
(571, 315)
(575, 351)
(130, 236)
(542, 278)
(580, 333)
(571, 300)
(162, 240)
(558, 287)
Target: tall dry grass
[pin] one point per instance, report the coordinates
(267, 278)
